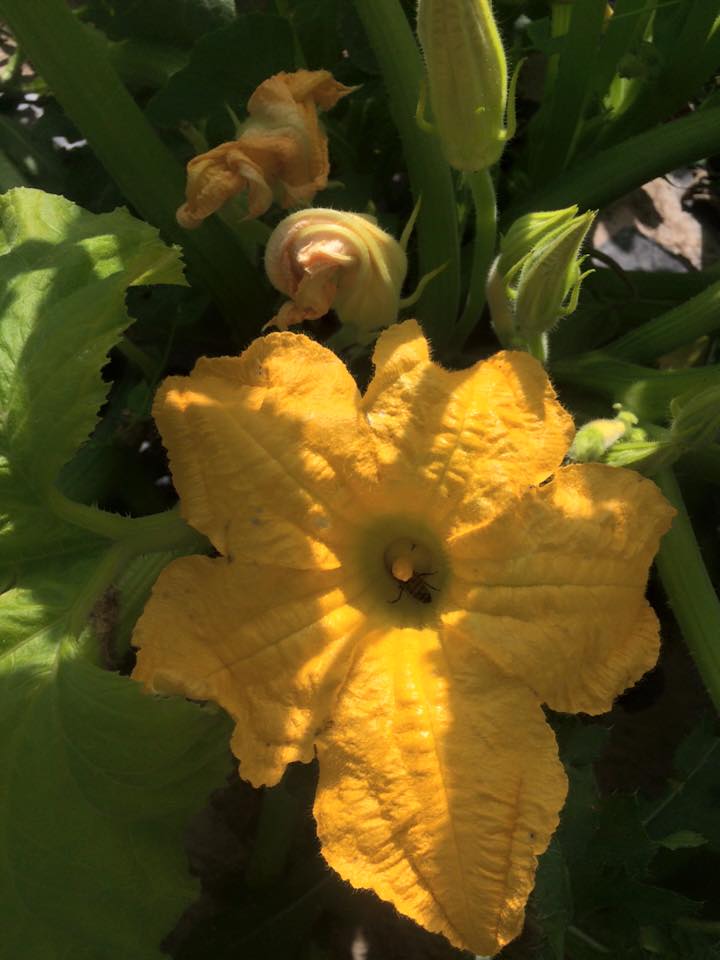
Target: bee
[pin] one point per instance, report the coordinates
(417, 587)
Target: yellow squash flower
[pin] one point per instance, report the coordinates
(280, 153)
(325, 258)
(404, 578)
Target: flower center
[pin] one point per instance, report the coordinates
(410, 562)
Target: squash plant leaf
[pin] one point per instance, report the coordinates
(97, 780)
(97, 783)
(225, 67)
(177, 22)
(63, 276)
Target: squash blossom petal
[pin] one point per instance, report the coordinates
(404, 578)
(280, 152)
(329, 258)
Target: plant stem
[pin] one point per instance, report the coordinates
(679, 785)
(644, 391)
(563, 111)
(704, 463)
(587, 939)
(689, 589)
(79, 73)
(157, 532)
(139, 359)
(672, 329)
(397, 53)
(692, 60)
(111, 564)
(484, 240)
(596, 180)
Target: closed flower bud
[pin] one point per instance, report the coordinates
(537, 277)
(329, 259)
(280, 152)
(467, 79)
(528, 232)
(593, 440)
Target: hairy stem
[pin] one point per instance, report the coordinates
(596, 180)
(484, 240)
(399, 58)
(689, 589)
(676, 327)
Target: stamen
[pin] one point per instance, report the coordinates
(402, 568)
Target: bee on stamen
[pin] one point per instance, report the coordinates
(417, 587)
(414, 584)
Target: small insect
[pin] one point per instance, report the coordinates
(417, 587)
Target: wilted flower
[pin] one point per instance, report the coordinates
(537, 277)
(467, 79)
(326, 259)
(280, 152)
(403, 579)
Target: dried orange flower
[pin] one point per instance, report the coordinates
(281, 151)
(330, 258)
(404, 578)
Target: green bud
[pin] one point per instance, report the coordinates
(593, 440)
(467, 80)
(526, 234)
(696, 417)
(645, 456)
(550, 279)
(537, 277)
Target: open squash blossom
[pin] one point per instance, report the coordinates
(280, 153)
(330, 258)
(403, 579)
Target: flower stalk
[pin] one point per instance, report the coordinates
(613, 172)
(397, 53)
(676, 327)
(689, 589)
(484, 242)
(647, 392)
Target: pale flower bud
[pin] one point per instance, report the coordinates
(467, 79)
(329, 259)
(280, 152)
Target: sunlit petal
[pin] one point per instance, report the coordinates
(553, 591)
(268, 647)
(467, 441)
(439, 787)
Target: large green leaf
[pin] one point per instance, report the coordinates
(63, 277)
(224, 69)
(171, 21)
(97, 780)
(97, 783)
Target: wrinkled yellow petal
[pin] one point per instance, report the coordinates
(216, 176)
(286, 105)
(280, 151)
(467, 441)
(266, 449)
(439, 786)
(269, 646)
(553, 590)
